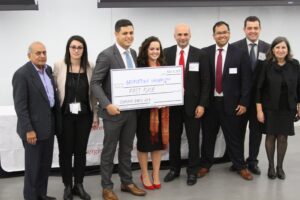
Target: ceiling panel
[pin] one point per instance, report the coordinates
(18, 5)
(190, 3)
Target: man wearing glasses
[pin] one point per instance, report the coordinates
(230, 77)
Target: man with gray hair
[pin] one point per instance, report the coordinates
(38, 113)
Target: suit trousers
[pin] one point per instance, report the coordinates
(255, 133)
(214, 118)
(178, 117)
(120, 132)
(38, 160)
(73, 141)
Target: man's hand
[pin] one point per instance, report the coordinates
(31, 137)
(240, 110)
(199, 112)
(112, 109)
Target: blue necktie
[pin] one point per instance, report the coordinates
(128, 61)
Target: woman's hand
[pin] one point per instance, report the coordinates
(261, 117)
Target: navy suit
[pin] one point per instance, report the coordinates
(35, 114)
(255, 127)
(221, 110)
(196, 93)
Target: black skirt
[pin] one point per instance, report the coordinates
(144, 143)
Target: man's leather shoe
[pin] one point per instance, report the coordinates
(46, 198)
(232, 168)
(68, 193)
(245, 174)
(171, 175)
(271, 173)
(78, 190)
(280, 173)
(254, 169)
(108, 194)
(202, 172)
(191, 179)
(133, 189)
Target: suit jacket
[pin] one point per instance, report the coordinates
(262, 47)
(60, 75)
(196, 83)
(269, 84)
(32, 105)
(236, 86)
(108, 59)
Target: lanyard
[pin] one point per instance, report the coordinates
(77, 84)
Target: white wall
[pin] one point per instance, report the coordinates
(57, 20)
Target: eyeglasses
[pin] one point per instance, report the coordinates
(76, 47)
(39, 53)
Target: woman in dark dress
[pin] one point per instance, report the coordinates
(153, 123)
(278, 97)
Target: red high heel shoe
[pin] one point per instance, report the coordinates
(150, 187)
(156, 186)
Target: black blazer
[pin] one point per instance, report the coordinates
(269, 84)
(262, 47)
(236, 87)
(196, 83)
(32, 104)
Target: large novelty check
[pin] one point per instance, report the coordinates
(147, 87)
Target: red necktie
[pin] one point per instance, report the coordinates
(181, 63)
(219, 72)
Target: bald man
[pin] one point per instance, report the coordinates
(196, 89)
(38, 113)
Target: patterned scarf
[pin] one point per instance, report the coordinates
(154, 125)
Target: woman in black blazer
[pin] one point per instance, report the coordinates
(277, 101)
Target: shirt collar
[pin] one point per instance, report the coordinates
(249, 42)
(186, 49)
(38, 69)
(224, 47)
(121, 49)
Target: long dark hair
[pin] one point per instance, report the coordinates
(142, 59)
(270, 55)
(84, 63)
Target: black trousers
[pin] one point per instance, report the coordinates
(73, 141)
(178, 117)
(214, 118)
(255, 133)
(38, 160)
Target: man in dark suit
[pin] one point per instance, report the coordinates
(256, 50)
(196, 91)
(119, 127)
(229, 97)
(38, 112)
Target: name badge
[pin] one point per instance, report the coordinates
(194, 67)
(261, 56)
(75, 108)
(232, 70)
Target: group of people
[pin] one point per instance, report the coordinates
(225, 85)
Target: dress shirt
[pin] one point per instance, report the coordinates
(186, 53)
(255, 47)
(47, 84)
(122, 52)
(224, 53)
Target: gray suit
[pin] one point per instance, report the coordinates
(117, 129)
(35, 114)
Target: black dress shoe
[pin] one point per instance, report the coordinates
(280, 173)
(191, 179)
(232, 168)
(254, 169)
(46, 198)
(78, 190)
(171, 176)
(68, 193)
(271, 173)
